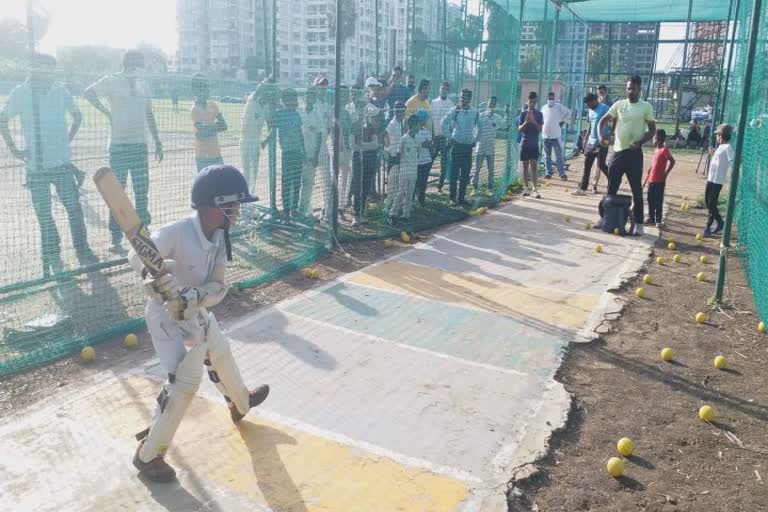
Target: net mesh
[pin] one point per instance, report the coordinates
(65, 282)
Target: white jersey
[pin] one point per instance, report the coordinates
(440, 107)
(719, 164)
(129, 99)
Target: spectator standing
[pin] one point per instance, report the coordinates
(594, 150)
(555, 115)
(424, 155)
(392, 140)
(129, 114)
(460, 128)
(717, 176)
(397, 92)
(440, 107)
(407, 172)
(489, 122)
(602, 96)
(207, 122)
(420, 101)
(529, 125)
(366, 134)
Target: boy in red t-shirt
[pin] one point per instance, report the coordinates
(657, 177)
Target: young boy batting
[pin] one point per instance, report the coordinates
(185, 335)
(657, 178)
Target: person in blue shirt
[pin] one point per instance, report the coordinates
(529, 125)
(287, 122)
(47, 156)
(593, 149)
(460, 129)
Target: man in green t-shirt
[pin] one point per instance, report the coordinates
(632, 123)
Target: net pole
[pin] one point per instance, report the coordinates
(274, 40)
(685, 64)
(265, 35)
(543, 52)
(730, 63)
(376, 30)
(725, 243)
(444, 63)
(716, 111)
(337, 125)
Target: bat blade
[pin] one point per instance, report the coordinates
(126, 217)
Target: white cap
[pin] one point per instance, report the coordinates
(372, 82)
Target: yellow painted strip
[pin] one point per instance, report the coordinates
(280, 467)
(565, 309)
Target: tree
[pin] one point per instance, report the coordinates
(497, 58)
(597, 60)
(465, 34)
(530, 61)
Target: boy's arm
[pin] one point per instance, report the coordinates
(671, 165)
(92, 96)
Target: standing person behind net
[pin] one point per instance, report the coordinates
(420, 101)
(594, 149)
(129, 114)
(460, 128)
(555, 114)
(657, 179)
(632, 122)
(440, 107)
(602, 96)
(424, 155)
(49, 164)
(313, 129)
(324, 173)
(392, 139)
(397, 91)
(288, 123)
(365, 160)
(488, 124)
(529, 125)
(259, 109)
(185, 335)
(717, 176)
(207, 122)
(407, 172)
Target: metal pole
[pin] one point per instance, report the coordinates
(716, 110)
(274, 41)
(725, 243)
(445, 48)
(685, 64)
(544, 51)
(653, 66)
(336, 126)
(730, 62)
(265, 35)
(610, 57)
(36, 129)
(376, 30)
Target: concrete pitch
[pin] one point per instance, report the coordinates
(417, 384)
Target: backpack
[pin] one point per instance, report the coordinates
(614, 214)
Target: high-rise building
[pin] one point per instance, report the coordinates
(629, 53)
(706, 55)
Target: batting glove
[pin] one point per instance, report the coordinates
(165, 286)
(184, 305)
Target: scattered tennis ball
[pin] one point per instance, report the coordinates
(700, 277)
(615, 467)
(598, 248)
(640, 292)
(388, 244)
(660, 260)
(670, 240)
(700, 242)
(131, 341)
(311, 273)
(704, 259)
(699, 236)
(701, 317)
(88, 354)
(672, 246)
(647, 279)
(667, 354)
(616, 231)
(677, 258)
(720, 362)
(405, 237)
(587, 226)
(761, 327)
(625, 446)
(706, 413)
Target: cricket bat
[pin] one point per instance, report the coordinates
(126, 217)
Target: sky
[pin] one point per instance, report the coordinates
(125, 23)
(115, 23)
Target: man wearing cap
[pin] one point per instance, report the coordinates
(366, 134)
(440, 107)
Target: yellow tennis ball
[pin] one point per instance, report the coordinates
(587, 226)
(88, 354)
(720, 362)
(647, 279)
(598, 248)
(670, 240)
(672, 246)
(701, 317)
(699, 236)
(761, 327)
(315, 274)
(660, 260)
(625, 446)
(700, 242)
(640, 292)
(685, 198)
(700, 277)
(667, 354)
(704, 259)
(131, 341)
(388, 244)
(706, 413)
(405, 237)
(677, 258)
(615, 467)
(616, 231)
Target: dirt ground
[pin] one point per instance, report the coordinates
(621, 387)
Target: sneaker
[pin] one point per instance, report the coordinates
(535, 194)
(547, 176)
(156, 470)
(639, 231)
(255, 397)
(594, 189)
(464, 204)
(650, 221)
(718, 229)
(564, 177)
(526, 193)
(659, 225)
(707, 231)
(578, 192)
